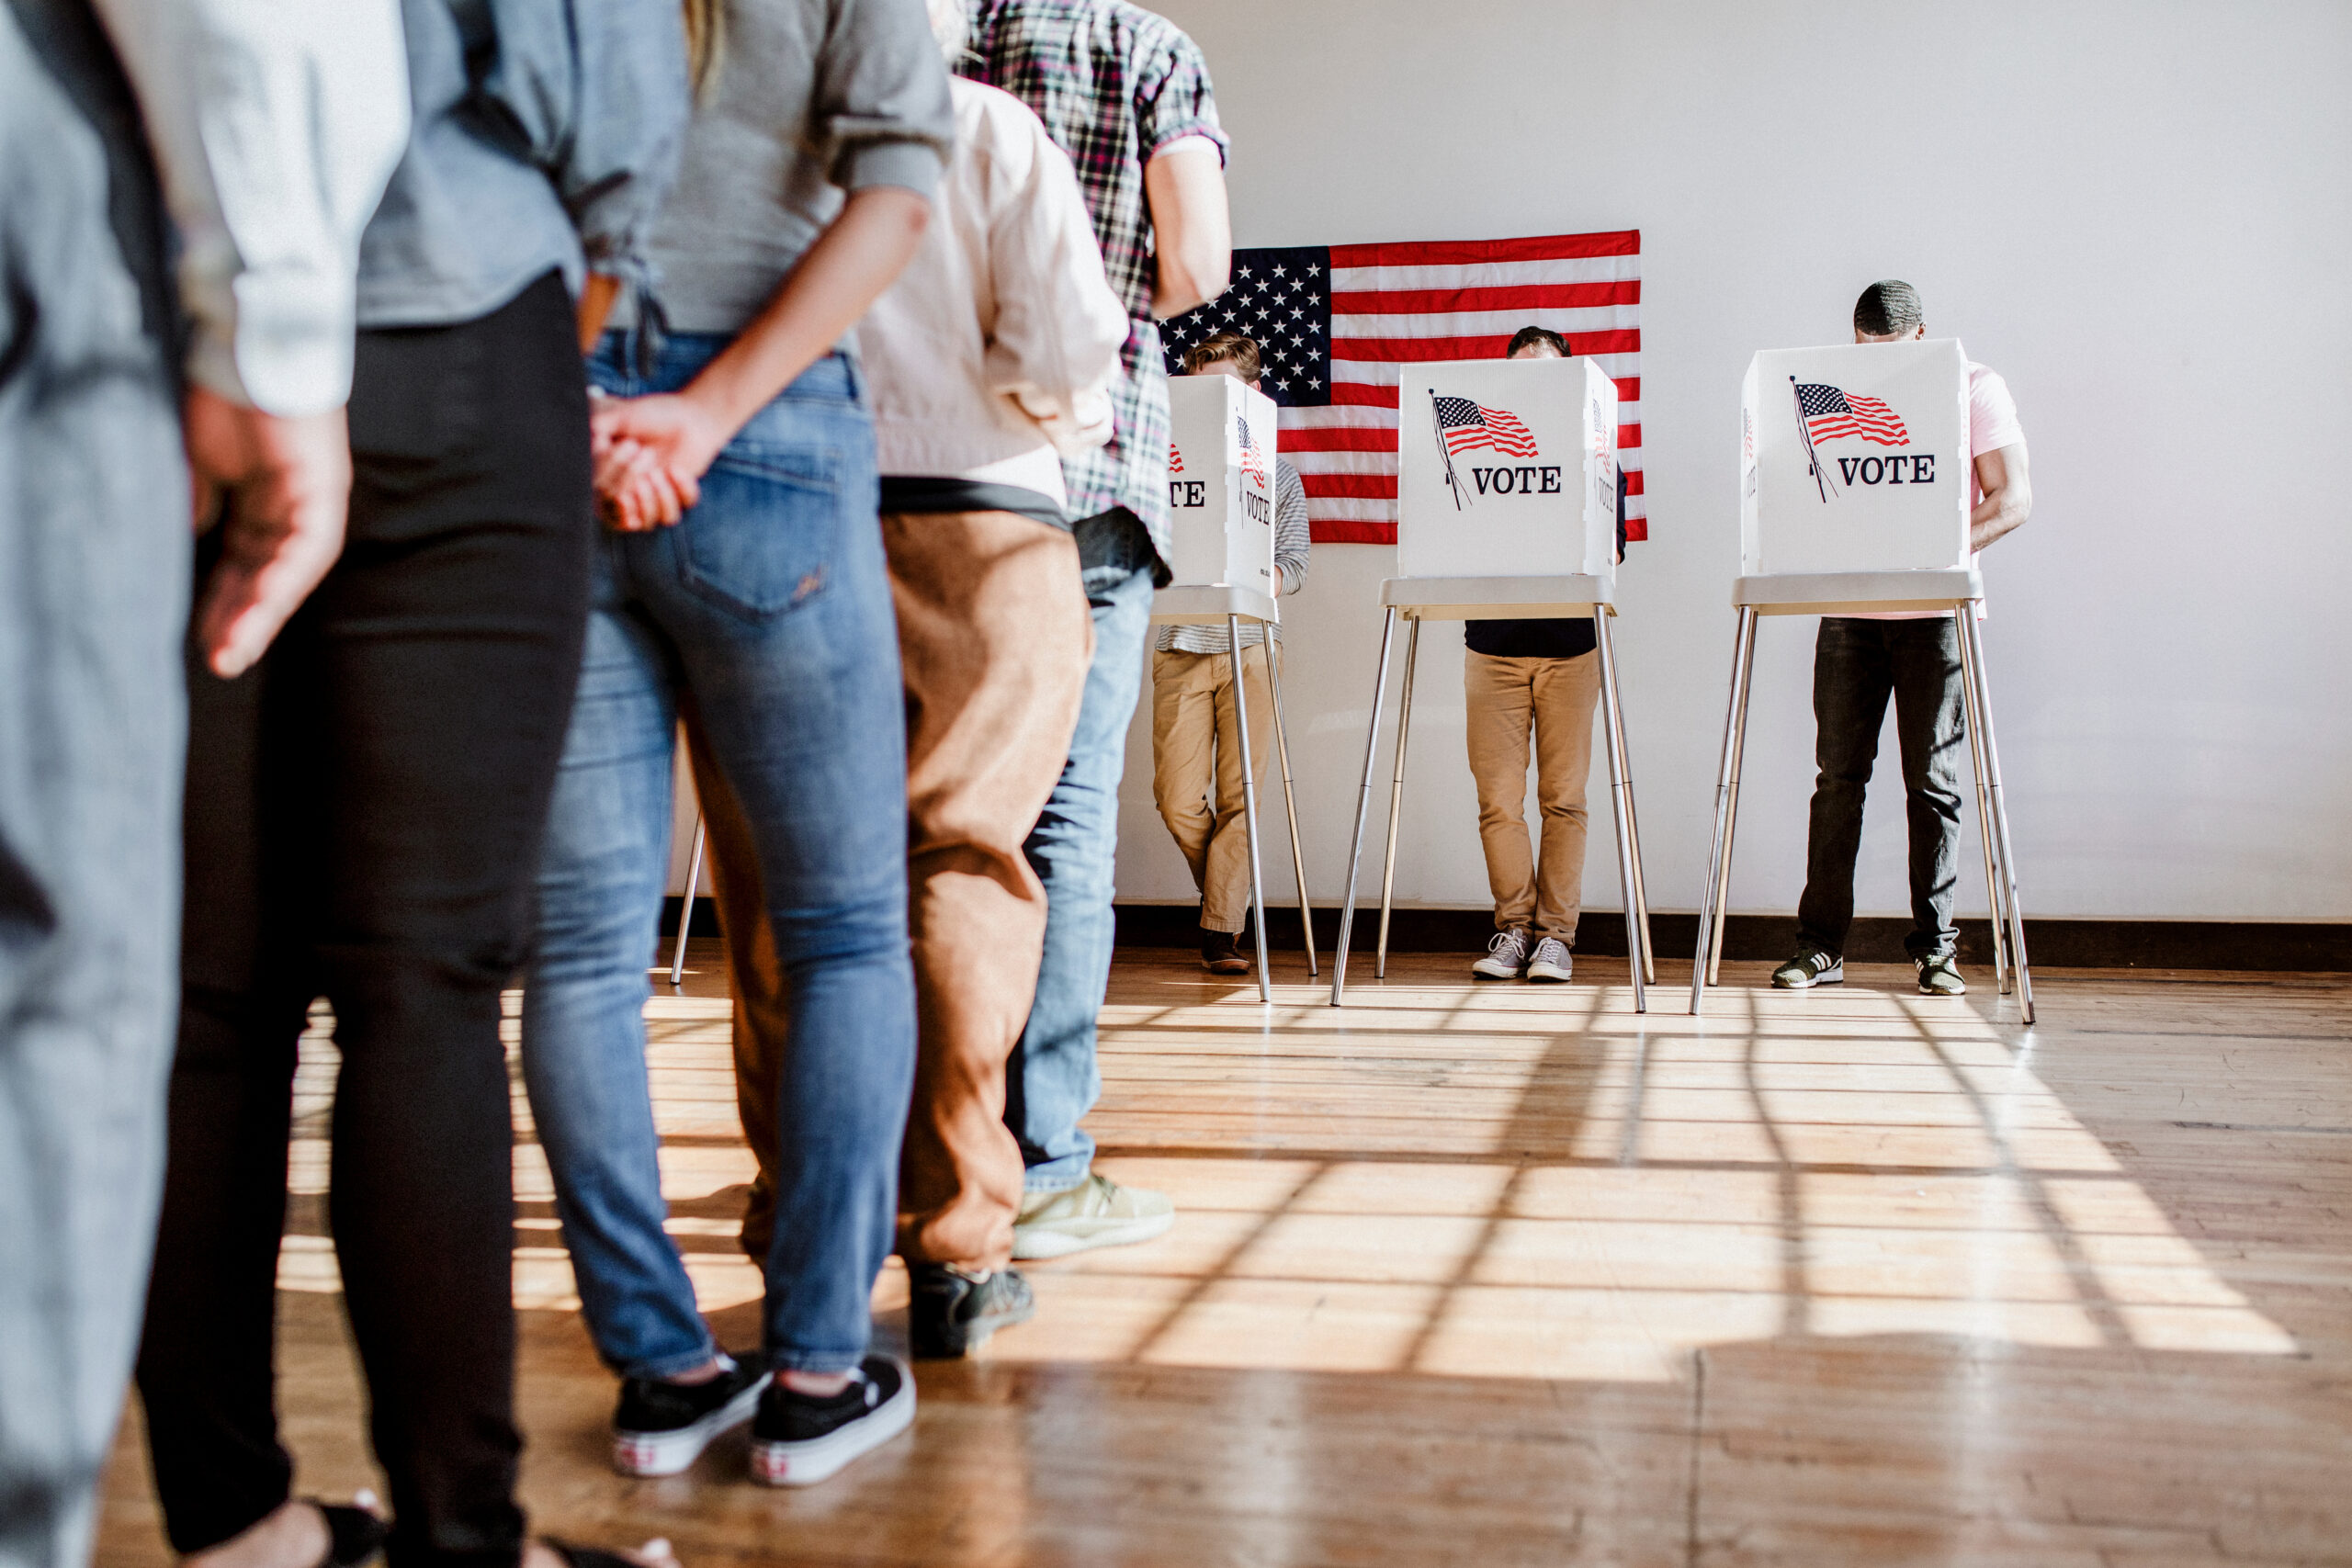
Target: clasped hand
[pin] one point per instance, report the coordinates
(651, 454)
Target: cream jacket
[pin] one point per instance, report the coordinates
(994, 353)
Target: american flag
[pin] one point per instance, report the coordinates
(1465, 424)
(1336, 325)
(1830, 414)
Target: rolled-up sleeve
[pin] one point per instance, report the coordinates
(276, 124)
(881, 102)
(1173, 98)
(597, 91)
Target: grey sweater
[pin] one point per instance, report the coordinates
(811, 99)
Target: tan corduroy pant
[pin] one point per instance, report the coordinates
(1197, 770)
(1504, 699)
(994, 636)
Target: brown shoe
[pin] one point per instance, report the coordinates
(1221, 952)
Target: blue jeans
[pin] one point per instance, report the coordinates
(768, 611)
(1052, 1081)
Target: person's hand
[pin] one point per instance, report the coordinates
(280, 489)
(651, 455)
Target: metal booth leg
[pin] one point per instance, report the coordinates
(1621, 786)
(1702, 961)
(1607, 641)
(1396, 797)
(1984, 802)
(1972, 650)
(1731, 816)
(1290, 804)
(1249, 801)
(686, 910)
(1363, 808)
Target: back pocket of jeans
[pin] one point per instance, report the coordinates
(763, 537)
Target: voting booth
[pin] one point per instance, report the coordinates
(1505, 510)
(1854, 493)
(1222, 440)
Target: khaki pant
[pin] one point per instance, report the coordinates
(994, 636)
(1197, 770)
(1505, 697)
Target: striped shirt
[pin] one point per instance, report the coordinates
(1114, 84)
(1290, 555)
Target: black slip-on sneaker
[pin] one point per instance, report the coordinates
(949, 1313)
(798, 1440)
(662, 1427)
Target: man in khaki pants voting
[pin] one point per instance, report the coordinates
(1195, 738)
(1542, 676)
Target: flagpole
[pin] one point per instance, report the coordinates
(1444, 453)
(1820, 480)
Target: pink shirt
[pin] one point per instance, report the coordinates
(1992, 424)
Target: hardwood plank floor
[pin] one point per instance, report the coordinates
(1510, 1275)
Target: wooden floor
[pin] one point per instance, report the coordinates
(1509, 1275)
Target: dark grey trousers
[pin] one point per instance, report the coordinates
(94, 571)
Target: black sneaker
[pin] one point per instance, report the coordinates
(1809, 968)
(799, 1439)
(949, 1313)
(661, 1428)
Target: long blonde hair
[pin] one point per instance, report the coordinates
(706, 40)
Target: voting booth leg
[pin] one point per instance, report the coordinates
(1363, 809)
(686, 910)
(1616, 715)
(1621, 790)
(1290, 808)
(1983, 803)
(1719, 849)
(1972, 645)
(1396, 797)
(1250, 800)
(1731, 815)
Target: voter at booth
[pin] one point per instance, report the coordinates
(1195, 750)
(1544, 677)
(1914, 657)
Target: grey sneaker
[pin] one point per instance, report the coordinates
(1809, 968)
(1551, 961)
(1098, 1212)
(1506, 955)
(1940, 977)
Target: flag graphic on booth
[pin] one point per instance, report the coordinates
(1175, 459)
(1465, 424)
(1338, 326)
(1826, 413)
(1253, 461)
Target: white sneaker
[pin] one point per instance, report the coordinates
(1552, 961)
(1506, 955)
(1098, 1212)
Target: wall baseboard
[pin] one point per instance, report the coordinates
(2315, 945)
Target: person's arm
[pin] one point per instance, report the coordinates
(275, 129)
(1292, 530)
(2009, 495)
(1054, 345)
(1192, 229)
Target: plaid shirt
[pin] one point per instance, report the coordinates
(1114, 84)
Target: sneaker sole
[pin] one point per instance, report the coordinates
(1484, 972)
(1837, 978)
(1031, 1245)
(806, 1463)
(1544, 974)
(667, 1454)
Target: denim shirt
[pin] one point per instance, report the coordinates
(546, 134)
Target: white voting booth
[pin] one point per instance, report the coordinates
(1854, 495)
(1221, 519)
(1507, 510)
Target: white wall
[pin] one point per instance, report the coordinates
(2141, 213)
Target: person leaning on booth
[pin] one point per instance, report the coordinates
(1859, 661)
(1196, 747)
(1544, 677)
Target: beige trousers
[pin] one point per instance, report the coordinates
(1554, 697)
(1197, 770)
(994, 635)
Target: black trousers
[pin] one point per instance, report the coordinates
(363, 819)
(1856, 665)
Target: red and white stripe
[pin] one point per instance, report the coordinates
(1395, 305)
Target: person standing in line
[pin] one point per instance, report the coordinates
(991, 356)
(1196, 748)
(1859, 661)
(743, 587)
(1542, 676)
(366, 805)
(1126, 94)
(99, 435)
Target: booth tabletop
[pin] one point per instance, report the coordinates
(1192, 606)
(1855, 593)
(1496, 598)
